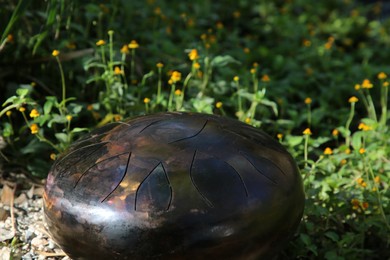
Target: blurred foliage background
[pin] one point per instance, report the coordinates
(284, 66)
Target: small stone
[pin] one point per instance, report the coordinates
(30, 192)
(51, 244)
(39, 191)
(38, 242)
(29, 234)
(27, 256)
(21, 199)
(6, 234)
(5, 253)
(6, 195)
(3, 214)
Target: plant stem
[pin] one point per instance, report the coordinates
(63, 102)
(369, 170)
(371, 107)
(159, 83)
(348, 124)
(132, 66)
(305, 151)
(309, 114)
(384, 96)
(171, 97)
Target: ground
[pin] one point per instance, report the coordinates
(23, 233)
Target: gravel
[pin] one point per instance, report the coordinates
(23, 232)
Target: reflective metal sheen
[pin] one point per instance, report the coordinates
(174, 186)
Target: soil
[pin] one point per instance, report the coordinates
(23, 233)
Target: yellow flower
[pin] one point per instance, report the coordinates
(177, 92)
(133, 44)
(253, 71)
(248, 120)
(159, 65)
(236, 78)
(69, 117)
(218, 104)
(382, 75)
(385, 84)
(157, 11)
(55, 53)
(362, 150)
(347, 151)
(365, 205)
(335, 132)
(308, 100)
(146, 100)
(34, 128)
(175, 77)
(255, 64)
(265, 78)
(367, 84)
(364, 127)
(53, 156)
(360, 181)
(219, 25)
(117, 117)
(279, 136)
(193, 55)
(34, 113)
(247, 50)
(22, 109)
(307, 131)
(328, 45)
(100, 42)
(10, 38)
(8, 113)
(328, 151)
(125, 49)
(118, 71)
(196, 65)
(377, 179)
(355, 204)
(357, 86)
(353, 99)
(306, 43)
(343, 161)
(71, 45)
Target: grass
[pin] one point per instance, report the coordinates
(311, 74)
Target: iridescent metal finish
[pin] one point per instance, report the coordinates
(174, 186)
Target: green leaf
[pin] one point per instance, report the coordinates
(22, 92)
(57, 119)
(294, 140)
(79, 129)
(48, 106)
(357, 140)
(17, 13)
(221, 61)
(305, 239)
(271, 104)
(333, 236)
(62, 137)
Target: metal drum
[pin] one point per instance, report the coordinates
(174, 186)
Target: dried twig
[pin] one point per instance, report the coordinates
(12, 211)
(47, 254)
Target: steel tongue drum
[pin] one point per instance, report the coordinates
(174, 186)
